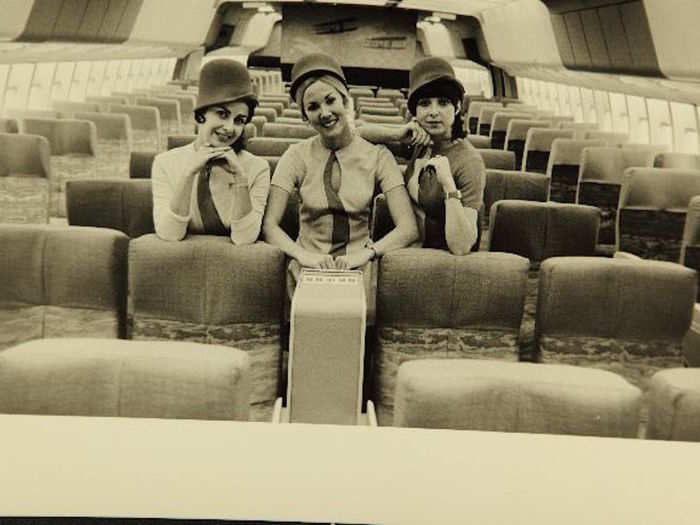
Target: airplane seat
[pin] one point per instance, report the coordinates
(293, 113)
(538, 145)
(366, 109)
(392, 94)
(689, 161)
(515, 397)
(690, 243)
(499, 127)
(356, 92)
(479, 141)
(563, 167)
(179, 290)
(61, 281)
(269, 113)
(512, 185)
(169, 111)
(486, 117)
(473, 114)
(114, 142)
(497, 159)
(291, 120)
(145, 125)
(277, 106)
(140, 163)
(105, 101)
(269, 146)
(516, 134)
(611, 138)
(673, 407)
(432, 304)
(68, 108)
(73, 154)
(652, 212)
(9, 125)
(290, 131)
(25, 172)
(383, 119)
(556, 120)
(539, 231)
(600, 180)
(258, 121)
(624, 316)
(281, 98)
(113, 378)
(580, 128)
(187, 104)
(176, 141)
(124, 205)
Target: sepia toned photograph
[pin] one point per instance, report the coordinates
(364, 262)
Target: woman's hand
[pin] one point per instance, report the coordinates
(353, 260)
(323, 261)
(414, 135)
(444, 174)
(202, 155)
(233, 165)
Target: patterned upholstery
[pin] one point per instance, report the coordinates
(563, 167)
(206, 290)
(73, 154)
(602, 169)
(620, 315)
(112, 378)
(434, 304)
(25, 171)
(653, 207)
(61, 282)
(515, 397)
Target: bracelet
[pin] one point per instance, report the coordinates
(371, 248)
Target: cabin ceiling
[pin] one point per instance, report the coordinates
(457, 7)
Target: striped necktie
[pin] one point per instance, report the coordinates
(340, 235)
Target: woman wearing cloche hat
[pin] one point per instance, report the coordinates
(213, 186)
(445, 179)
(335, 173)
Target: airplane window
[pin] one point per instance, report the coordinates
(17, 90)
(685, 128)
(564, 100)
(110, 78)
(40, 91)
(4, 73)
(590, 114)
(122, 84)
(78, 86)
(602, 104)
(620, 115)
(523, 85)
(639, 120)
(660, 122)
(95, 79)
(62, 80)
(553, 98)
(576, 103)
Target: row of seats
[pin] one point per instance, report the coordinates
(591, 311)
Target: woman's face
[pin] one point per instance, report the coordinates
(436, 116)
(325, 110)
(223, 123)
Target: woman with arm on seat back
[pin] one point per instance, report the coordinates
(445, 179)
(213, 186)
(335, 173)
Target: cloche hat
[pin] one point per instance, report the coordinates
(314, 63)
(222, 81)
(427, 71)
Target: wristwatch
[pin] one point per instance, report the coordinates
(454, 195)
(370, 246)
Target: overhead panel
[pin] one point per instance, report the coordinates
(604, 36)
(103, 21)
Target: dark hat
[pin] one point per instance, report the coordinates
(224, 80)
(315, 63)
(428, 71)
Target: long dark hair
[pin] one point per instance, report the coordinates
(445, 88)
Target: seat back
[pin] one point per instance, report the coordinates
(287, 131)
(538, 144)
(621, 315)
(516, 134)
(9, 125)
(497, 159)
(564, 166)
(689, 161)
(140, 163)
(414, 320)
(176, 141)
(474, 112)
(652, 211)
(611, 138)
(513, 185)
(269, 146)
(690, 244)
(499, 126)
(269, 113)
(69, 107)
(580, 128)
(61, 282)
